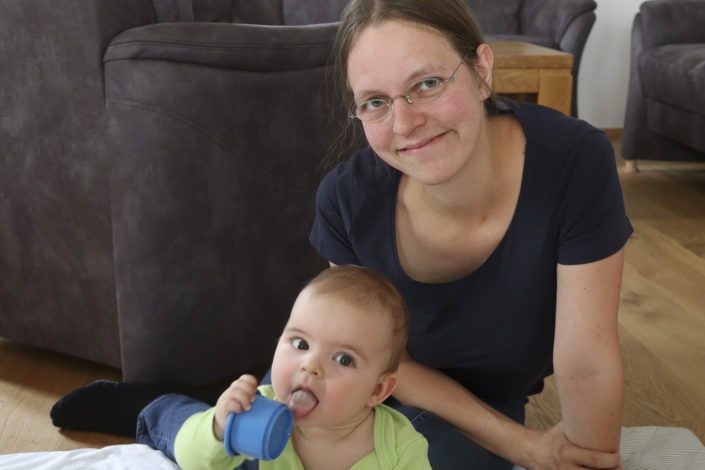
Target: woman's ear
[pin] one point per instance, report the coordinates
(483, 67)
(384, 388)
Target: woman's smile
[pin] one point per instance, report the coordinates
(422, 145)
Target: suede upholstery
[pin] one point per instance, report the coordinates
(219, 133)
(155, 207)
(665, 116)
(57, 287)
(158, 167)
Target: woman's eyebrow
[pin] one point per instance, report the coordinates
(424, 71)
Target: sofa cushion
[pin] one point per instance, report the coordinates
(673, 80)
(675, 75)
(685, 127)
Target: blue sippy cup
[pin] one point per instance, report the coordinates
(260, 432)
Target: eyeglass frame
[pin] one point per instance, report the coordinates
(389, 101)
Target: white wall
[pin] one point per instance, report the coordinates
(604, 69)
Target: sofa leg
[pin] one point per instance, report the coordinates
(630, 166)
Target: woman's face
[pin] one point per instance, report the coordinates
(430, 142)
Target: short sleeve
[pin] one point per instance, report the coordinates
(594, 223)
(330, 233)
(398, 445)
(414, 456)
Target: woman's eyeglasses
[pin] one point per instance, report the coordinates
(423, 91)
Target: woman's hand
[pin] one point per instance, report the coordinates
(555, 452)
(237, 398)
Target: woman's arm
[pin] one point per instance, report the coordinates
(426, 388)
(587, 360)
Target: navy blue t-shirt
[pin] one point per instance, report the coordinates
(492, 330)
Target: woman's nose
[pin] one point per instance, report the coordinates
(406, 117)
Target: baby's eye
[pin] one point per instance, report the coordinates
(299, 343)
(344, 360)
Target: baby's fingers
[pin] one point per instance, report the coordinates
(240, 395)
(236, 399)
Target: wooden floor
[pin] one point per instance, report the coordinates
(662, 328)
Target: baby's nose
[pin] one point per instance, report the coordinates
(311, 364)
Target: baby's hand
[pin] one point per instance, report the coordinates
(238, 398)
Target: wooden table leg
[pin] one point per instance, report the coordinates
(555, 88)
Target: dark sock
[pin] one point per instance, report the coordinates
(105, 406)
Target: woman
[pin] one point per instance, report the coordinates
(503, 228)
(501, 223)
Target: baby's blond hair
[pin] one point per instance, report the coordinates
(372, 291)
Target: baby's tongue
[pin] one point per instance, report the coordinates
(302, 403)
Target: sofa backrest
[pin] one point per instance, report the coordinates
(497, 17)
(299, 12)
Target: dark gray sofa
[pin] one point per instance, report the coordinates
(57, 287)
(158, 165)
(158, 181)
(665, 115)
(219, 134)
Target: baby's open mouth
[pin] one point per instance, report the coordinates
(302, 402)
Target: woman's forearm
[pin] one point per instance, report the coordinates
(586, 358)
(591, 402)
(437, 393)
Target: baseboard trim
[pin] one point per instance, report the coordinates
(613, 133)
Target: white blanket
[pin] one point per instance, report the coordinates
(661, 448)
(642, 448)
(121, 457)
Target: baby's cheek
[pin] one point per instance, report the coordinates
(281, 374)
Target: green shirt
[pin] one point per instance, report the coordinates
(397, 445)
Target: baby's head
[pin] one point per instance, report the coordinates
(373, 293)
(341, 346)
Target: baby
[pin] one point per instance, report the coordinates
(334, 365)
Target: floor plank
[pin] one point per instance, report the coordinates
(31, 380)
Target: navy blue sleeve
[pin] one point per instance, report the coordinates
(594, 222)
(330, 233)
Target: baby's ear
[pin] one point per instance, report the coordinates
(384, 388)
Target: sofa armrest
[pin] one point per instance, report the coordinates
(226, 45)
(553, 18)
(672, 22)
(219, 132)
